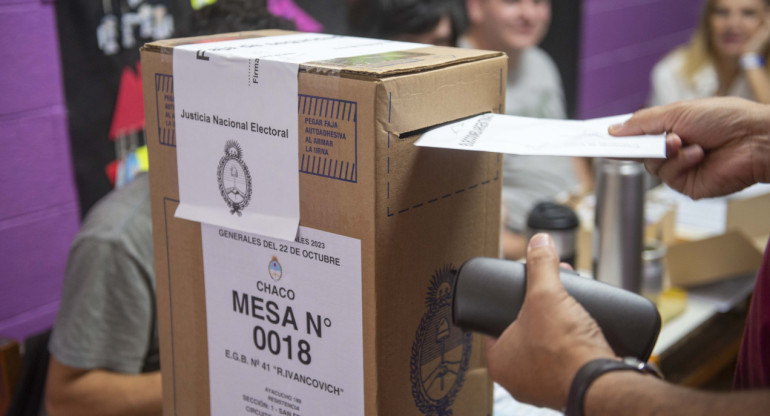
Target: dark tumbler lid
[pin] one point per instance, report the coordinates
(552, 216)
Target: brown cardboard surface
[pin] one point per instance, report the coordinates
(738, 251)
(419, 214)
(707, 260)
(749, 215)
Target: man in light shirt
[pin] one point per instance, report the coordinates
(533, 89)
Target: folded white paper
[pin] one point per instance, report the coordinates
(545, 137)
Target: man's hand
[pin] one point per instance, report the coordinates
(714, 146)
(538, 355)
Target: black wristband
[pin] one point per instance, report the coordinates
(590, 372)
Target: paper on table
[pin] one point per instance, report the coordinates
(545, 137)
(708, 216)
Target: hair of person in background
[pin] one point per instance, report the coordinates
(234, 16)
(437, 22)
(702, 48)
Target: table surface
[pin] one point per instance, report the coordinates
(703, 303)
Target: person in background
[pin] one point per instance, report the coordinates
(234, 16)
(726, 56)
(105, 357)
(533, 89)
(104, 349)
(555, 355)
(433, 22)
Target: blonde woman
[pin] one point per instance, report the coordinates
(727, 56)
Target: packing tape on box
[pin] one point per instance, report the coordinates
(236, 132)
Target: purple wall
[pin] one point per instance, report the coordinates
(620, 43)
(38, 208)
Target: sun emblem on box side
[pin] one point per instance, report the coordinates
(234, 178)
(440, 352)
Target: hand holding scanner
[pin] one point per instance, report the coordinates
(488, 294)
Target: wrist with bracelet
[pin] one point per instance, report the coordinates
(751, 60)
(591, 371)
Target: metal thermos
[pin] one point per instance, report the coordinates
(619, 224)
(560, 222)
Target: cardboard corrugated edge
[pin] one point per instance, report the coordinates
(177, 338)
(401, 211)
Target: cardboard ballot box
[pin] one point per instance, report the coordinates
(352, 316)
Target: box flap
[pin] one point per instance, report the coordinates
(711, 259)
(760, 242)
(378, 65)
(398, 63)
(748, 215)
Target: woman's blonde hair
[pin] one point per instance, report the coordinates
(700, 50)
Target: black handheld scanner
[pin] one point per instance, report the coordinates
(488, 294)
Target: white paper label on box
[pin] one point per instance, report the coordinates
(533, 136)
(284, 323)
(236, 126)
